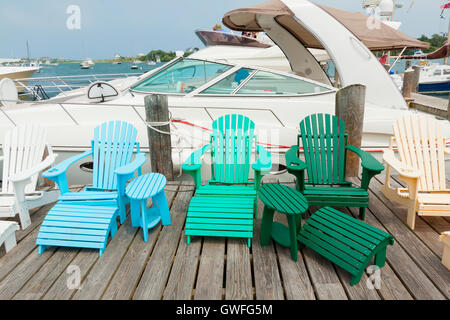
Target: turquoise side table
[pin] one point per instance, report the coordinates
(149, 185)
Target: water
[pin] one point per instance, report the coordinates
(74, 69)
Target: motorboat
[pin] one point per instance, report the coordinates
(201, 90)
(17, 72)
(87, 62)
(84, 65)
(434, 78)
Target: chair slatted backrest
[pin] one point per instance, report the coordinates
(232, 143)
(421, 146)
(323, 139)
(112, 147)
(23, 148)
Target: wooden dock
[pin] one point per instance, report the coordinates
(217, 268)
(429, 104)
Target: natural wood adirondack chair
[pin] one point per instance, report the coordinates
(324, 143)
(224, 207)
(85, 219)
(421, 146)
(24, 150)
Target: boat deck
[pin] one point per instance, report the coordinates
(217, 268)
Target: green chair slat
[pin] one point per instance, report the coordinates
(345, 241)
(339, 236)
(335, 190)
(343, 231)
(333, 248)
(371, 235)
(224, 209)
(349, 225)
(221, 221)
(341, 263)
(208, 215)
(218, 227)
(213, 233)
(340, 245)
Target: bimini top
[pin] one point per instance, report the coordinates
(374, 34)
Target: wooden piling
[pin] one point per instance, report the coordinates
(408, 84)
(157, 112)
(350, 103)
(416, 78)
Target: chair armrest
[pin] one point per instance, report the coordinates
(393, 162)
(293, 163)
(126, 172)
(262, 165)
(132, 166)
(193, 164)
(58, 172)
(367, 160)
(27, 174)
(264, 161)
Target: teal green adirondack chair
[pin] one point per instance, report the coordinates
(324, 144)
(85, 219)
(225, 206)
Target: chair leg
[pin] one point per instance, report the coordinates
(249, 242)
(362, 213)
(41, 249)
(380, 258)
(10, 242)
(113, 227)
(411, 217)
(293, 236)
(266, 226)
(161, 200)
(188, 240)
(135, 212)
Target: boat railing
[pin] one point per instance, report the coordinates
(63, 84)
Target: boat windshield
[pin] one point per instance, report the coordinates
(183, 76)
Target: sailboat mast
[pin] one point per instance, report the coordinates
(448, 40)
(28, 51)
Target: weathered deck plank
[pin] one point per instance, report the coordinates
(209, 285)
(127, 276)
(216, 268)
(238, 271)
(152, 283)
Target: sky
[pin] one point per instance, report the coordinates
(130, 27)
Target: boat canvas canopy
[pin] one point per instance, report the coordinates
(376, 37)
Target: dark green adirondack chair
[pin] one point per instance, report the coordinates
(324, 143)
(225, 206)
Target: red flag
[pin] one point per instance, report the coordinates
(383, 59)
(445, 6)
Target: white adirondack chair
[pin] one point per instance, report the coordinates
(445, 238)
(421, 146)
(23, 159)
(7, 234)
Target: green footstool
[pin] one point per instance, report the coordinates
(285, 200)
(349, 243)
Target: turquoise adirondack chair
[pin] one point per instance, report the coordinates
(324, 144)
(225, 206)
(85, 218)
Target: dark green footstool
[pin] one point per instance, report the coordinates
(293, 204)
(349, 243)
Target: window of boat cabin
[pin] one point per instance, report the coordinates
(267, 83)
(182, 77)
(229, 84)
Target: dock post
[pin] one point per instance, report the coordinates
(416, 78)
(408, 84)
(448, 109)
(350, 103)
(160, 147)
